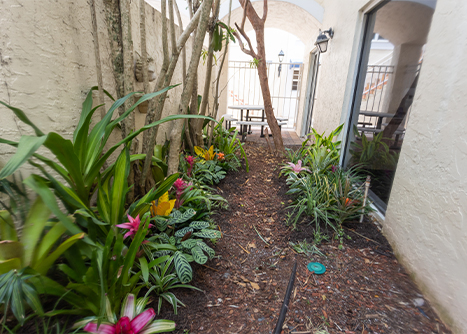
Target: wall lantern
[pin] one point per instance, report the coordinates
(323, 39)
(281, 58)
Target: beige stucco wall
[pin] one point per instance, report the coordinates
(425, 221)
(338, 64)
(47, 64)
(425, 218)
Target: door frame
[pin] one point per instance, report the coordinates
(310, 92)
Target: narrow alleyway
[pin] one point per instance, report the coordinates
(364, 290)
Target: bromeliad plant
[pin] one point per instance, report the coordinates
(133, 319)
(80, 159)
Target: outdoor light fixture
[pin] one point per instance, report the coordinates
(281, 58)
(323, 39)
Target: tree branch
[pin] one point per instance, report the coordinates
(265, 11)
(249, 52)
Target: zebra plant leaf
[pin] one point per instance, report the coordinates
(198, 255)
(181, 233)
(206, 248)
(208, 234)
(172, 241)
(177, 217)
(182, 267)
(199, 225)
(161, 224)
(189, 244)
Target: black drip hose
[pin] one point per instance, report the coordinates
(285, 304)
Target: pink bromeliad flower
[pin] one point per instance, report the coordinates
(179, 186)
(132, 226)
(131, 322)
(191, 162)
(297, 168)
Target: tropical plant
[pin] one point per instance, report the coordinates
(187, 238)
(320, 140)
(18, 203)
(305, 248)
(34, 247)
(162, 278)
(314, 198)
(229, 144)
(295, 168)
(320, 159)
(208, 172)
(372, 154)
(16, 292)
(133, 319)
(81, 159)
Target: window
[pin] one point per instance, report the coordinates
(296, 76)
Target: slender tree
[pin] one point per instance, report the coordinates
(175, 136)
(260, 55)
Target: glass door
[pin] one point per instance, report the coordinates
(389, 67)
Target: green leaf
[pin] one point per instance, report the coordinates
(22, 116)
(48, 241)
(144, 269)
(33, 228)
(199, 225)
(30, 294)
(119, 187)
(64, 152)
(206, 248)
(17, 306)
(8, 265)
(43, 266)
(198, 255)
(208, 234)
(159, 326)
(38, 185)
(182, 267)
(180, 233)
(189, 244)
(26, 148)
(7, 227)
(176, 217)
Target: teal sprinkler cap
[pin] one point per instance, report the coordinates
(316, 267)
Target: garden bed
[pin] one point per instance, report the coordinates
(364, 290)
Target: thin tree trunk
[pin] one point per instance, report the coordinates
(160, 102)
(180, 24)
(97, 55)
(216, 95)
(175, 137)
(144, 51)
(114, 30)
(260, 55)
(129, 123)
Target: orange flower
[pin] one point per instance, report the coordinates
(347, 201)
(220, 156)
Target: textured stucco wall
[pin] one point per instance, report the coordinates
(47, 64)
(425, 221)
(338, 64)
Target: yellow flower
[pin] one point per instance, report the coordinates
(164, 206)
(205, 154)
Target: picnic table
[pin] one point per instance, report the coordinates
(248, 122)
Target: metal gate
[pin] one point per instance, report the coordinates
(285, 81)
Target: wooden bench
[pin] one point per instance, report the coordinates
(245, 124)
(228, 120)
(263, 119)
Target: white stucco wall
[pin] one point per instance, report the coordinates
(425, 220)
(47, 64)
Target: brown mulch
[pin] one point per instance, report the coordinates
(364, 290)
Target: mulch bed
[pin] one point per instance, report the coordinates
(364, 290)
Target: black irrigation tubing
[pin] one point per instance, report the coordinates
(285, 304)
